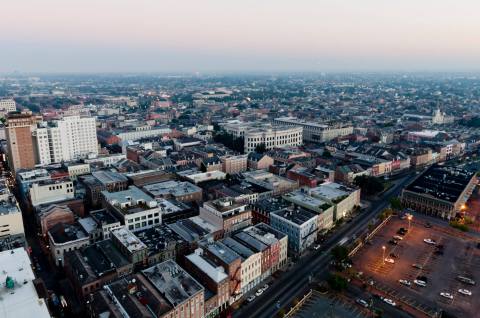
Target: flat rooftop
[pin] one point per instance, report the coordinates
(297, 216)
(107, 176)
(331, 190)
(128, 239)
(22, 300)
(62, 233)
(146, 301)
(173, 282)
(301, 197)
(131, 200)
(9, 206)
(251, 241)
(442, 182)
(239, 248)
(171, 188)
(158, 238)
(223, 252)
(103, 217)
(216, 273)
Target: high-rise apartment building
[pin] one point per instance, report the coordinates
(70, 138)
(21, 147)
(6, 106)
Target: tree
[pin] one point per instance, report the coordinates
(230, 141)
(369, 185)
(261, 148)
(337, 282)
(395, 203)
(339, 253)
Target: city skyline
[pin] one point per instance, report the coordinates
(187, 36)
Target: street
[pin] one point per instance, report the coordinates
(295, 282)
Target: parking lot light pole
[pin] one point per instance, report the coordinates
(383, 254)
(409, 218)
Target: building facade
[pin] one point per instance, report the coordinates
(20, 144)
(68, 139)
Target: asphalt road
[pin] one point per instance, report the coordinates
(295, 282)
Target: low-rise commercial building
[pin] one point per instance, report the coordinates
(440, 191)
(213, 278)
(91, 267)
(315, 131)
(130, 246)
(51, 191)
(165, 290)
(64, 238)
(20, 298)
(180, 191)
(343, 198)
(226, 214)
(12, 232)
(133, 207)
(278, 185)
(301, 227)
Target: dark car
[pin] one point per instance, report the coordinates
(393, 242)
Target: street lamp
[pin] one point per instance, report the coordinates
(383, 254)
(409, 218)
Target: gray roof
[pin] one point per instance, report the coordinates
(173, 282)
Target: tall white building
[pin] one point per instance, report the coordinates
(6, 106)
(70, 138)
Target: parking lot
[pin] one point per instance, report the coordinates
(438, 264)
(318, 306)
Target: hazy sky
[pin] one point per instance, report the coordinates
(238, 35)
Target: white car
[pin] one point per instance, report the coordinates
(398, 237)
(251, 298)
(389, 301)
(420, 283)
(316, 247)
(429, 241)
(390, 260)
(405, 282)
(362, 303)
(265, 287)
(259, 292)
(446, 295)
(465, 292)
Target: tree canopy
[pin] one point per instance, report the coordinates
(369, 185)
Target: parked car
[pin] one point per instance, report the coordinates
(362, 302)
(316, 247)
(251, 298)
(420, 283)
(398, 237)
(265, 287)
(405, 282)
(446, 295)
(389, 260)
(417, 266)
(429, 241)
(259, 292)
(466, 280)
(393, 242)
(389, 301)
(465, 292)
(428, 225)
